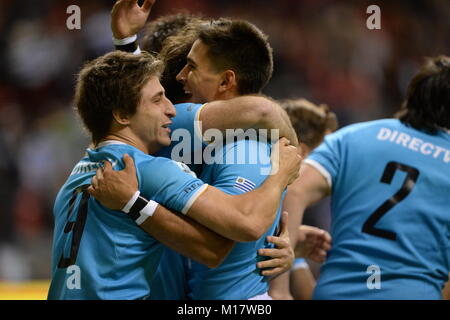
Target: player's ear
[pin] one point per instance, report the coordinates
(228, 81)
(121, 117)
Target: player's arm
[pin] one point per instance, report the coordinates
(187, 237)
(302, 283)
(238, 217)
(246, 112)
(176, 231)
(446, 290)
(308, 188)
(246, 217)
(127, 19)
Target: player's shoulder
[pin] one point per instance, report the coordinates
(163, 166)
(370, 125)
(113, 151)
(362, 129)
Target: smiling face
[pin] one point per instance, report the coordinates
(199, 77)
(153, 116)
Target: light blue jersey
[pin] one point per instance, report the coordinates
(100, 253)
(237, 277)
(171, 277)
(390, 212)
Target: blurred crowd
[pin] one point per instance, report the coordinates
(323, 52)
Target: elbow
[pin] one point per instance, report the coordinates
(210, 259)
(249, 228)
(265, 112)
(217, 256)
(214, 261)
(251, 233)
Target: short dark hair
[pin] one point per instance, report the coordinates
(310, 122)
(427, 104)
(240, 46)
(112, 82)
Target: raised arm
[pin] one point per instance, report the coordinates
(257, 112)
(128, 18)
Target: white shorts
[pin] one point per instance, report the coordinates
(264, 296)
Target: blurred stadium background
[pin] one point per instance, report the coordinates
(323, 52)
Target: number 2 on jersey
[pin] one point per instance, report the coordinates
(408, 184)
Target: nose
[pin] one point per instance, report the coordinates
(181, 76)
(170, 110)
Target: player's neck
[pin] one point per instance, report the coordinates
(128, 139)
(227, 95)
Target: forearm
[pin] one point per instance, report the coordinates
(187, 237)
(309, 188)
(279, 287)
(277, 118)
(242, 217)
(242, 112)
(293, 204)
(302, 284)
(256, 112)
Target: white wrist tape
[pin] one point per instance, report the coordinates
(124, 41)
(130, 203)
(147, 212)
(139, 208)
(137, 51)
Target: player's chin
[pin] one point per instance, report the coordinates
(165, 140)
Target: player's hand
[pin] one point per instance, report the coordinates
(313, 243)
(128, 18)
(282, 257)
(113, 188)
(285, 160)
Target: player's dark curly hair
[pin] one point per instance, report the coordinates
(158, 30)
(112, 82)
(427, 104)
(174, 53)
(172, 37)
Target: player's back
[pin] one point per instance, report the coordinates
(99, 253)
(390, 212)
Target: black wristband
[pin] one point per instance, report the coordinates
(131, 47)
(135, 210)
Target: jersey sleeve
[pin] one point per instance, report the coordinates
(326, 158)
(170, 183)
(186, 134)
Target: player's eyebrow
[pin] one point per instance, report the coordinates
(190, 61)
(157, 95)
